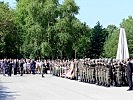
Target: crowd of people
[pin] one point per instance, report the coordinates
(98, 71)
(23, 66)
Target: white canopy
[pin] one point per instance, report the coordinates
(122, 50)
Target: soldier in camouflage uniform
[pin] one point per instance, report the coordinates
(97, 72)
(75, 69)
(107, 75)
(92, 72)
(80, 67)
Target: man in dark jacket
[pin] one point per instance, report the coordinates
(33, 66)
(21, 67)
(10, 67)
(43, 69)
(129, 74)
(3, 67)
(15, 66)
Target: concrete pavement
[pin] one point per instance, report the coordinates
(34, 87)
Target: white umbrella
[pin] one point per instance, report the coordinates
(122, 50)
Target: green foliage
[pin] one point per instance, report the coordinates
(48, 29)
(98, 38)
(128, 25)
(81, 38)
(8, 32)
(111, 44)
(45, 49)
(36, 19)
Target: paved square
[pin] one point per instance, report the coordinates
(34, 87)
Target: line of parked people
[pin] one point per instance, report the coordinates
(24, 66)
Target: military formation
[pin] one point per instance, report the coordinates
(103, 72)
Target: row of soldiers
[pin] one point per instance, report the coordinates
(105, 72)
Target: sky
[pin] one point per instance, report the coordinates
(107, 12)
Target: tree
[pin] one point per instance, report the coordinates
(9, 38)
(111, 44)
(45, 49)
(64, 28)
(35, 19)
(128, 25)
(81, 39)
(98, 38)
(49, 29)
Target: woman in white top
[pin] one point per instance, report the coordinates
(28, 69)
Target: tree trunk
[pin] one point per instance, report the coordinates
(75, 53)
(61, 54)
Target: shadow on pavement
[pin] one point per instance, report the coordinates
(5, 94)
